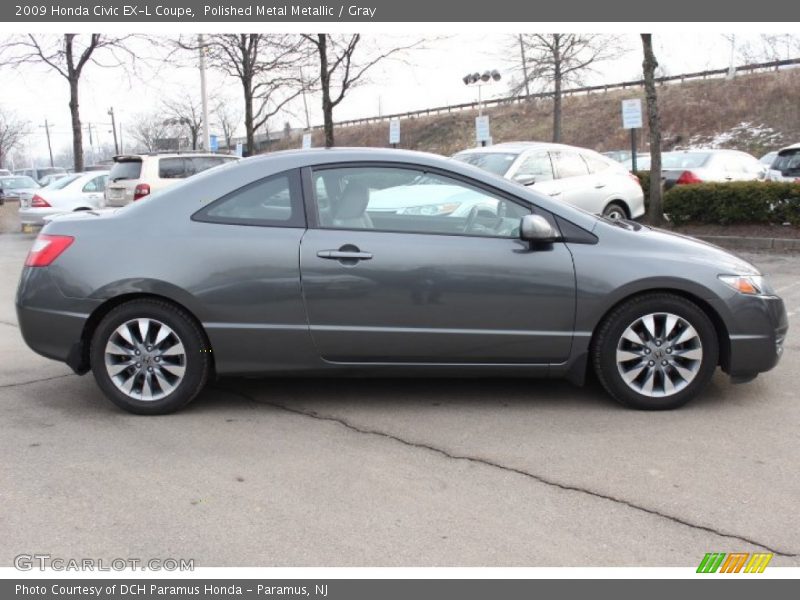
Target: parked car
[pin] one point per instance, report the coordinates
(234, 272)
(699, 166)
(768, 158)
(4, 172)
(642, 162)
(786, 166)
(76, 192)
(135, 176)
(39, 173)
(574, 175)
(12, 187)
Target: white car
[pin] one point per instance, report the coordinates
(82, 191)
(786, 165)
(137, 175)
(682, 167)
(581, 177)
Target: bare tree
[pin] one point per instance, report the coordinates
(185, 113)
(67, 55)
(649, 65)
(340, 70)
(228, 120)
(264, 64)
(12, 130)
(555, 60)
(151, 131)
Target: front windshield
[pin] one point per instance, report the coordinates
(494, 162)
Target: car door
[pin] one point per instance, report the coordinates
(578, 187)
(92, 191)
(536, 169)
(407, 266)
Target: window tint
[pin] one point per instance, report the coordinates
(536, 166)
(272, 201)
(788, 161)
(595, 163)
(172, 168)
(97, 184)
(569, 164)
(126, 169)
(410, 200)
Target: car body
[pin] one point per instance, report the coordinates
(76, 192)
(135, 176)
(786, 165)
(712, 165)
(15, 187)
(581, 177)
(277, 265)
(39, 173)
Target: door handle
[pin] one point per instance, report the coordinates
(555, 193)
(598, 186)
(344, 255)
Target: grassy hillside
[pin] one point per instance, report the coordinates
(755, 113)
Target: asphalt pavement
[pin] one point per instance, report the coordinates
(400, 472)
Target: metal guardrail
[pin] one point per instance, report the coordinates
(437, 110)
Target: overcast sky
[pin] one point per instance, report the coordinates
(429, 77)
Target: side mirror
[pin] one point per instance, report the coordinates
(525, 179)
(537, 229)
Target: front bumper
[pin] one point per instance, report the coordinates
(757, 334)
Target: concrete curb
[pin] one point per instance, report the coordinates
(752, 243)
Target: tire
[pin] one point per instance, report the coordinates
(615, 210)
(152, 378)
(655, 352)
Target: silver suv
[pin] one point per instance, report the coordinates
(135, 176)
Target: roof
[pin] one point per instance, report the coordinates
(518, 147)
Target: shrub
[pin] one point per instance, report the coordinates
(644, 179)
(734, 203)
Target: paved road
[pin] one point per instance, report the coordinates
(396, 472)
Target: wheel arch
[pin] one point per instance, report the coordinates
(79, 356)
(619, 202)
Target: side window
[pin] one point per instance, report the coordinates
(595, 164)
(536, 166)
(411, 200)
(97, 184)
(569, 164)
(172, 168)
(275, 201)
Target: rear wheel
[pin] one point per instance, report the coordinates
(149, 357)
(655, 351)
(615, 211)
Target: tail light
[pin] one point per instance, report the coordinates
(688, 177)
(38, 202)
(47, 248)
(141, 191)
(636, 179)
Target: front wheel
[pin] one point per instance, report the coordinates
(149, 357)
(615, 211)
(655, 351)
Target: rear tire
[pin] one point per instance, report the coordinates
(615, 211)
(149, 357)
(655, 352)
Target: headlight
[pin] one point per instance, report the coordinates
(752, 285)
(430, 209)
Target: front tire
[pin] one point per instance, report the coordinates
(149, 357)
(655, 351)
(615, 211)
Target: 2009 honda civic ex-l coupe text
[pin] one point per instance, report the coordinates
(368, 261)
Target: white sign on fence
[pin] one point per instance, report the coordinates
(632, 113)
(482, 133)
(239, 151)
(306, 141)
(394, 131)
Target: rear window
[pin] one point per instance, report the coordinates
(125, 169)
(788, 162)
(60, 184)
(683, 160)
(494, 162)
(18, 183)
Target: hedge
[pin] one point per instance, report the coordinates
(734, 203)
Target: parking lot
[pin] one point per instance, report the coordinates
(376, 472)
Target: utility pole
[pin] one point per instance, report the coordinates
(305, 102)
(49, 146)
(203, 93)
(524, 67)
(114, 129)
(121, 147)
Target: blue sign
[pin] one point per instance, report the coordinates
(213, 143)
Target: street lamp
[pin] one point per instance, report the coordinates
(479, 80)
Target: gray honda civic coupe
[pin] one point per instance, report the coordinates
(385, 262)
